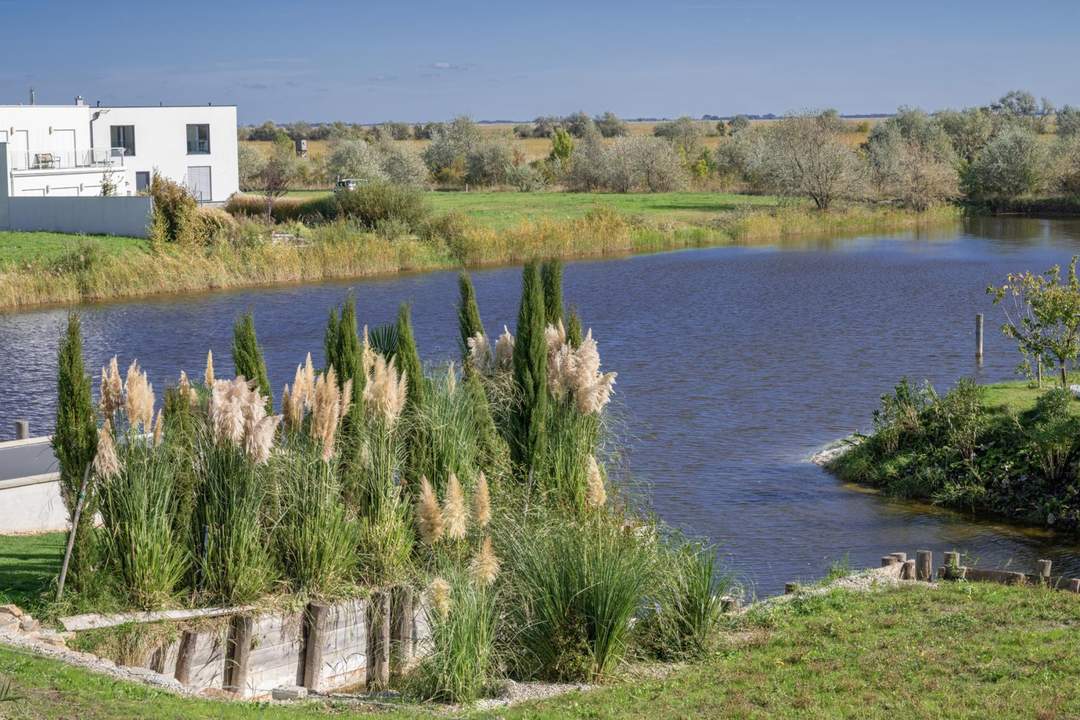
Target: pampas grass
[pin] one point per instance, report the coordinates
(106, 461)
(461, 651)
(481, 502)
(484, 567)
(429, 516)
(455, 517)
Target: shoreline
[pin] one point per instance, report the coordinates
(356, 256)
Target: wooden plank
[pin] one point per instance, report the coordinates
(183, 657)
(94, 621)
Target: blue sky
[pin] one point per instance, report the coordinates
(366, 62)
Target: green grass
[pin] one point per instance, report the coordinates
(17, 248)
(28, 566)
(504, 209)
(1019, 396)
(958, 651)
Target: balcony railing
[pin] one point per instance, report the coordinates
(48, 160)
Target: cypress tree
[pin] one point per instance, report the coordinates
(75, 440)
(574, 335)
(408, 360)
(248, 358)
(552, 272)
(343, 350)
(469, 322)
(530, 373)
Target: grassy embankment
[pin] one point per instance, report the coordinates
(500, 228)
(958, 651)
(1008, 450)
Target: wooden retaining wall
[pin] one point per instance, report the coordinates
(358, 643)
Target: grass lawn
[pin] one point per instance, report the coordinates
(17, 248)
(501, 209)
(28, 565)
(1018, 396)
(958, 650)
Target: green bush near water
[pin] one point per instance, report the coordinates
(964, 450)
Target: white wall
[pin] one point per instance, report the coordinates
(44, 128)
(161, 143)
(92, 215)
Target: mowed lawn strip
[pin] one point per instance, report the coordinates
(959, 650)
(19, 248)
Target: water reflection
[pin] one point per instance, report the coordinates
(734, 365)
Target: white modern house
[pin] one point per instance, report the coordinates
(69, 151)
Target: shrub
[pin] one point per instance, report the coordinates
(1051, 431)
(488, 163)
(402, 166)
(610, 125)
(216, 225)
(1068, 121)
(248, 357)
(451, 145)
(685, 134)
(175, 216)
(249, 164)
(589, 169)
(525, 178)
(1009, 166)
(805, 155)
(368, 205)
(969, 130)
(1067, 178)
(354, 159)
(649, 164)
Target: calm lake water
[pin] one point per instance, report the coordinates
(735, 364)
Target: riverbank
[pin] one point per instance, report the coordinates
(1005, 450)
(90, 271)
(971, 650)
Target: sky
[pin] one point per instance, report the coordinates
(418, 61)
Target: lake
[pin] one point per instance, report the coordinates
(735, 364)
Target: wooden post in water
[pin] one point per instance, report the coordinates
(22, 429)
(979, 338)
(952, 563)
(924, 565)
(907, 572)
(901, 557)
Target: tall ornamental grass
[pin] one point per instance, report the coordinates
(461, 650)
(575, 587)
(143, 553)
(316, 540)
(688, 604)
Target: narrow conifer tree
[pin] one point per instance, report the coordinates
(74, 442)
(248, 358)
(552, 272)
(574, 334)
(469, 323)
(408, 359)
(530, 374)
(343, 352)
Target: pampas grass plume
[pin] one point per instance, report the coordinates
(454, 513)
(482, 502)
(429, 518)
(484, 567)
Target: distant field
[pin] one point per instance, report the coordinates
(22, 247)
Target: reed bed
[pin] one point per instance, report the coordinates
(341, 250)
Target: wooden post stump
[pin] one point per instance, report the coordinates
(401, 631)
(22, 429)
(887, 560)
(314, 640)
(183, 657)
(1044, 571)
(378, 664)
(237, 653)
(790, 587)
(901, 557)
(908, 571)
(979, 338)
(1074, 585)
(924, 565)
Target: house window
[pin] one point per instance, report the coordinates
(123, 136)
(198, 139)
(142, 182)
